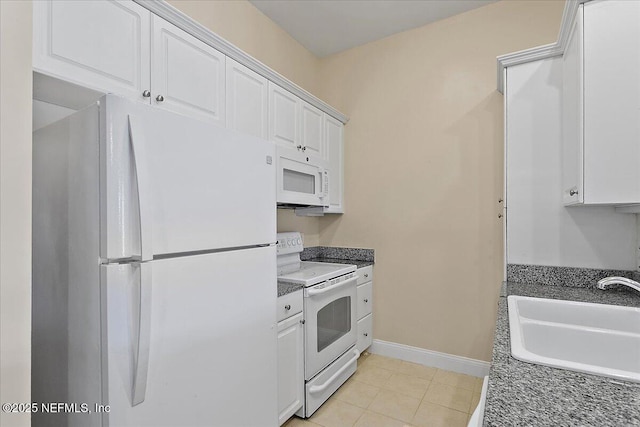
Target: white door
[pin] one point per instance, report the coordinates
(179, 185)
(284, 117)
(612, 102)
(191, 341)
(334, 148)
(290, 367)
(188, 76)
(312, 130)
(101, 44)
(247, 100)
(572, 116)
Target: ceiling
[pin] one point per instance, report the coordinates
(326, 27)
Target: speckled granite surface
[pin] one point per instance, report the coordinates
(562, 276)
(525, 394)
(355, 262)
(351, 254)
(286, 288)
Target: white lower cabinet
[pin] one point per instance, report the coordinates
(365, 336)
(290, 358)
(364, 307)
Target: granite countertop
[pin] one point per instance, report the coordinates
(355, 262)
(525, 394)
(285, 288)
(355, 256)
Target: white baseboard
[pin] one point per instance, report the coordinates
(449, 362)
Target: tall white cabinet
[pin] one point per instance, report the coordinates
(247, 100)
(334, 148)
(601, 105)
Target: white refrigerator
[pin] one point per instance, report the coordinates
(154, 271)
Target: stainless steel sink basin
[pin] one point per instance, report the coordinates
(592, 338)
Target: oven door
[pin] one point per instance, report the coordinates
(301, 180)
(330, 323)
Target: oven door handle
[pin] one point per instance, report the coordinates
(320, 388)
(313, 292)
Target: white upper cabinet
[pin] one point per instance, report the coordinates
(284, 117)
(187, 75)
(247, 100)
(601, 111)
(572, 116)
(312, 130)
(334, 145)
(102, 45)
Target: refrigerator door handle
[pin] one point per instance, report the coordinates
(144, 336)
(144, 191)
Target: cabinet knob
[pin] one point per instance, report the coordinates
(146, 94)
(573, 192)
(287, 307)
(304, 148)
(366, 275)
(366, 300)
(500, 215)
(299, 147)
(159, 98)
(365, 334)
(302, 321)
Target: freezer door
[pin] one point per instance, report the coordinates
(172, 184)
(193, 343)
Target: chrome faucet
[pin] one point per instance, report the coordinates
(602, 284)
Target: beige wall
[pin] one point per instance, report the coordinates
(15, 207)
(239, 22)
(424, 170)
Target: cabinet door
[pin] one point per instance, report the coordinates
(284, 116)
(572, 116)
(365, 335)
(100, 44)
(365, 299)
(334, 148)
(188, 76)
(247, 100)
(612, 102)
(290, 367)
(312, 130)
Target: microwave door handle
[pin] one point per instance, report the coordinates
(312, 292)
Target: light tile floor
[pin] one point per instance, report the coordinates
(387, 392)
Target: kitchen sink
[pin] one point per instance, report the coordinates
(592, 338)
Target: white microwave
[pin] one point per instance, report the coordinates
(302, 180)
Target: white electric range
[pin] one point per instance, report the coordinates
(330, 323)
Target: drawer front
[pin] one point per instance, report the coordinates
(289, 304)
(365, 333)
(365, 292)
(365, 274)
